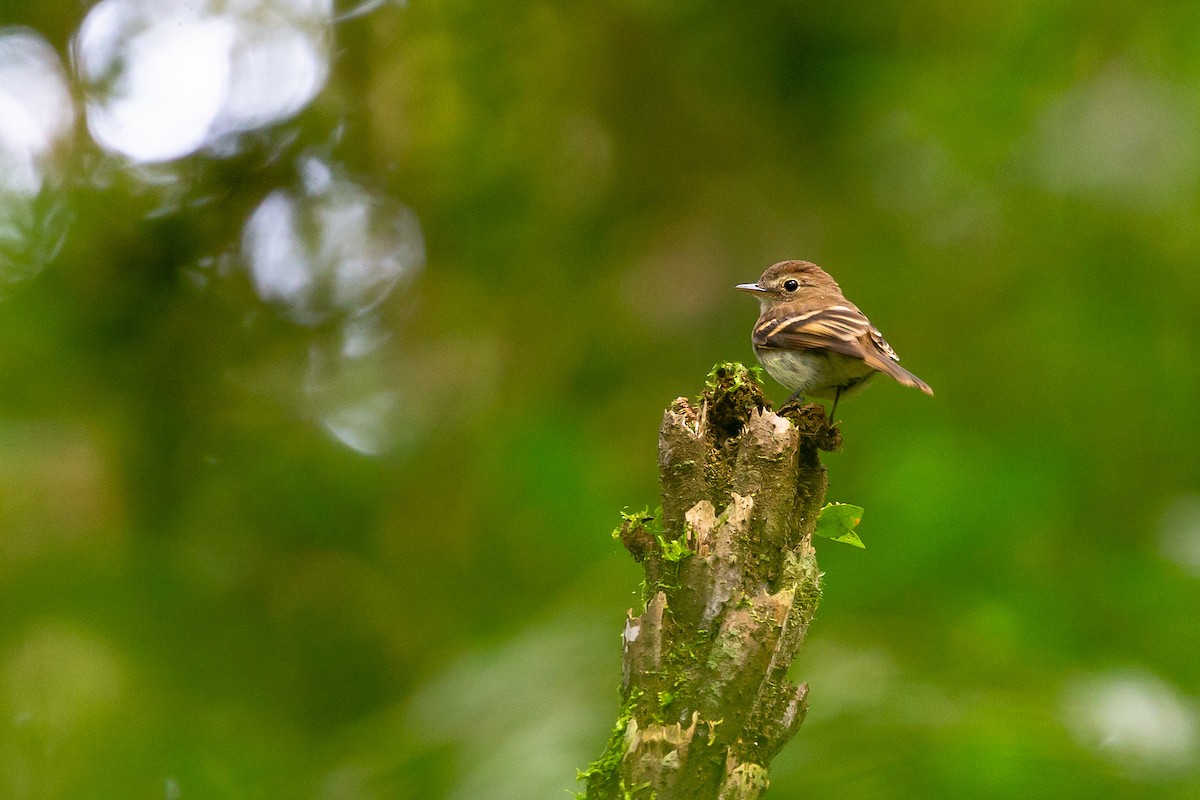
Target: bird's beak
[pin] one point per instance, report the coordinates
(751, 288)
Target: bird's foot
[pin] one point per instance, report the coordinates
(794, 402)
(811, 420)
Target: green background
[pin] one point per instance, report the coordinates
(205, 595)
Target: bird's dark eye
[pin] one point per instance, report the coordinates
(791, 285)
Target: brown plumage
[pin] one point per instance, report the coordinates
(813, 340)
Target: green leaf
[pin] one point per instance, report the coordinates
(674, 549)
(837, 521)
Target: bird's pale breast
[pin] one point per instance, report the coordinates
(814, 373)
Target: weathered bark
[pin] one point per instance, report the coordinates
(706, 699)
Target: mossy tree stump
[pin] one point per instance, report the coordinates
(731, 587)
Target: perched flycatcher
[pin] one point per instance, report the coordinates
(813, 340)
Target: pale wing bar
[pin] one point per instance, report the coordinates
(836, 328)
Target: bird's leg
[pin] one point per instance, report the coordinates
(836, 396)
(794, 396)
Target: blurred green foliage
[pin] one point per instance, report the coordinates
(205, 594)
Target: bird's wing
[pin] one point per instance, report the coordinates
(837, 328)
(840, 329)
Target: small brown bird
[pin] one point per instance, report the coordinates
(813, 340)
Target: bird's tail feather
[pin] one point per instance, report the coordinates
(901, 375)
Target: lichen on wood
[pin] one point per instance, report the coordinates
(731, 587)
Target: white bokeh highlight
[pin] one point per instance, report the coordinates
(330, 248)
(327, 254)
(166, 78)
(36, 111)
(1133, 719)
(37, 122)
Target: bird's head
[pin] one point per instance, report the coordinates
(790, 280)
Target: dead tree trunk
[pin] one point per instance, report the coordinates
(731, 587)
